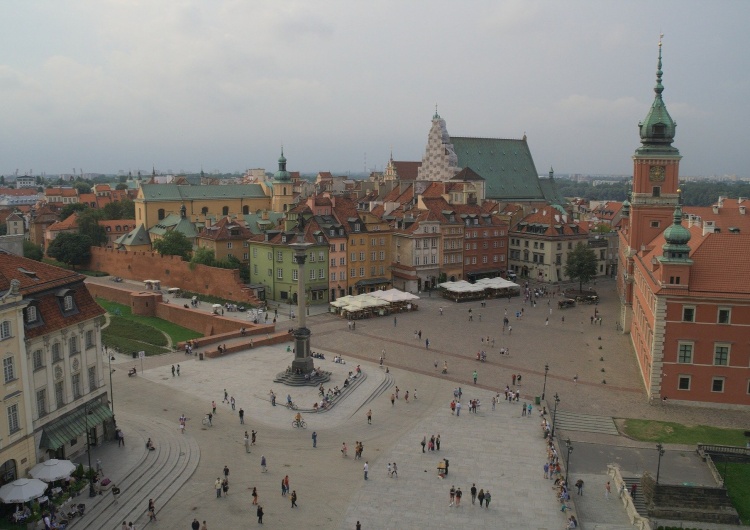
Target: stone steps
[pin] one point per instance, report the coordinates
(572, 421)
(638, 502)
(157, 475)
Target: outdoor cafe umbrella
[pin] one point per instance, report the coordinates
(22, 490)
(52, 470)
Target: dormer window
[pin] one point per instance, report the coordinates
(283, 239)
(31, 314)
(356, 227)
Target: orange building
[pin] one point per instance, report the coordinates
(684, 301)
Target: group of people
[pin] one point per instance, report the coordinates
(484, 497)
(433, 444)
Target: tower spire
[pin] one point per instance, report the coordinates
(658, 129)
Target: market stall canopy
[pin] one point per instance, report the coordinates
(217, 306)
(394, 295)
(497, 283)
(22, 490)
(52, 470)
(463, 287)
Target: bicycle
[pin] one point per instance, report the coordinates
(290, 405)
(207, 421)
(301, 424)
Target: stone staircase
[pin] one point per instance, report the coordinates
(157, 475)
(639, 502)
(572, 421)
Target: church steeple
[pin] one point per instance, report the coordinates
(676, 239)
(282, 174)
(658, 129)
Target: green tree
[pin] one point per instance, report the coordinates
(71, 249)
(203, 256)
(174, 244)
(32, 251)
(119, 210)
(82, 187)
(121, 185)
(602, 228)
(70, 208)
(581, 264)
(88, 225)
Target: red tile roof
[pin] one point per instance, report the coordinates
(225, 230)
(70, 223)
(21, 192)
(551, 223)
(407, 170)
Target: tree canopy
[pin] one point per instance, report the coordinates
(68, 209)
(88, 225)
(174, 244)
(581, 264)
(71, 249)
(203, 256)
(32, 251)
(124, 209)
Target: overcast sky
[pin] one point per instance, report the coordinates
(109, 85)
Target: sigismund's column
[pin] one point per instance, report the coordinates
(302, 359)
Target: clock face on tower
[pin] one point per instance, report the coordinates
(656, 173)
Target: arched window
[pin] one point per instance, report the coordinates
(225, 210)
(8, 472)
(284, 192)
(245, 210)
(161, 214)
(204, 210)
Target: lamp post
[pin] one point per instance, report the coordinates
(290, 302)
(554, 417)
(92, 493)
(544, 389)
(569, 448)
(660, 449)
(111, 388)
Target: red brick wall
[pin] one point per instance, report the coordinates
(198, 321)
(172, 271)
(257, 342)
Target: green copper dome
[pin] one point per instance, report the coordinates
(677, 237)
(282, 175)
(658, 129)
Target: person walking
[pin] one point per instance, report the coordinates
(253, 434)
(437, 442)
(225, 487)
(474, 375)
(263, 467)
(473, 493)
(213, 406)
(480, 496)
(393, 399)
(173, 371)
(178, 370)
(232, 402)
(394, 471)
(424, 442)
(204, 526)
(217, 486)
(315, 439)
(452, 494)
(487, 499)
(286, 483)
(151, 510)
(579, 486)
(242, 416)
(294, 499)
(458, 408)
(607, 490)
(255, 495)
(369, 417)
(283, 488)
(247, 442)
(259, 513)
(458, 497)
(195, 525)
(366, 468)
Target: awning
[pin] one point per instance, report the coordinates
(372, 281)
(73, 425)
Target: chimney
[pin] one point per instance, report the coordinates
(740, 200)
(721, 201)
(264, 215)
(742, 210)
(716, 207)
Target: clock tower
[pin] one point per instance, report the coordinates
(655, 172)
(655, 194)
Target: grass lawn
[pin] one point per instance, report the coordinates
(119, 311)
(128, 329)
(737, 480)
(675, 433)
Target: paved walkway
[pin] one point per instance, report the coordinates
(500, 451)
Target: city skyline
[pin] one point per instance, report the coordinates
(109, 86)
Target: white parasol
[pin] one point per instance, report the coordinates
(22, 490)
(52, 470)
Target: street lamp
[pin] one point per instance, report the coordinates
(92, 493)
(660, 449)
(569, 447)
(290, 302)
(111, 388)
(546, 369)
(554, 417)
